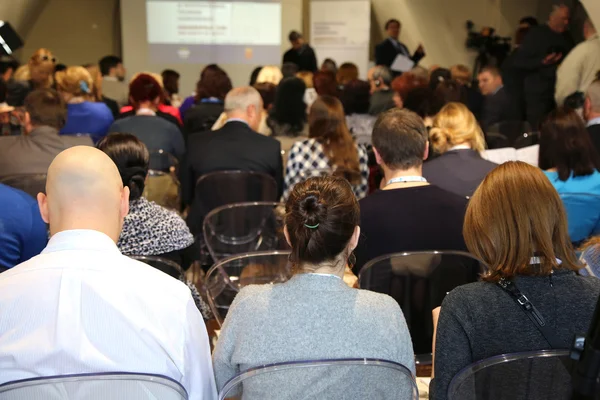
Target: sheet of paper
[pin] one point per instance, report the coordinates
(402, 63)
(529, 154)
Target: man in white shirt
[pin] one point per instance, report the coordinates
(579, 69)
(591, 112)
(82, 307)
(113, 76)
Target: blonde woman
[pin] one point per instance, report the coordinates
(36, 74)
(96, 75)
(269, 74)
(457, 137)
(84, 115)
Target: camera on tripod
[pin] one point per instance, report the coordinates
(491, 48)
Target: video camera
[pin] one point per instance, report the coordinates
(491, 48)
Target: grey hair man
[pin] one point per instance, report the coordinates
(244, 104)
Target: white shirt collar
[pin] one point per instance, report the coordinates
(594, 121)
(498, 89)
(110, 78)
(80, 239)
(460, 147)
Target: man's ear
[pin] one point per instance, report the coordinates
(42, 200)
(377, 157)
(426, 154)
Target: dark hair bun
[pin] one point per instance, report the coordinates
(135, 179)
(312, 209)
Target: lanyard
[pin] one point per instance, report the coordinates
(403, 179)
(212, 100)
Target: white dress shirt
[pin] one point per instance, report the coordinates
(82, 307)
(578, 70)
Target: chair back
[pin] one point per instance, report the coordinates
(32, 184)
(583, 215)
(225, 279)
(535, 375)
(496, 140)
(100, 386)
(509, 129)
(361, 378)
(244, 227)
(419, 281)
(169, 267)
(161, 160)
(527, 139)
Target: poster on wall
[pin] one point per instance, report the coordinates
(340, 30)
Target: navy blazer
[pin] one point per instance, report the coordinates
(386, 52)
(497, 107)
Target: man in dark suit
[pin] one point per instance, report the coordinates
(591, 112)
(496, 105)
(386, 51)
(236, 146)
(300, 54)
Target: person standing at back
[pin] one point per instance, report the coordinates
(235, 146)
(113, 77)
(300, 54)
(78, 295)
(591, 113)
(387, 51)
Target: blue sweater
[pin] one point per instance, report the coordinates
(23, 233)
(89, 118)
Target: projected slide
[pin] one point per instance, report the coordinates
(230, 32)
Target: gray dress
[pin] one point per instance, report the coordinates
(310, 317)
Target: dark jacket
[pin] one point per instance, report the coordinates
(594, 132)
(496, 108)
(304, 58)
(201, 117)
(233, 147)
(381, 100)
(458, 171)
(386, 52)
(480, 320)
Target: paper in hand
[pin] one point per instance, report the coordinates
(402, 64)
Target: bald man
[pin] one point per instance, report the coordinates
(82, 307)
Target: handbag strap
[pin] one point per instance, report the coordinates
(534, 315)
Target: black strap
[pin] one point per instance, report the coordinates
(534, 315)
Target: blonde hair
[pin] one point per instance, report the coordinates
(505, 228)
(461, 74)
(455, 125)
(22, 73)
(307, 77)
(41, 66)
(75, 81)
(269, 74)
(94, 71)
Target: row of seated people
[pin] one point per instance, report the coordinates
(154, 326)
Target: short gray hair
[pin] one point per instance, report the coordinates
(593, 93)
(239, 99)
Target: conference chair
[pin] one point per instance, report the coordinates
(169, 267)
(534, 375)
(162, 184)
(583, 215)
(225, 279)
(511, 130)
(338, 172)
(98, 386)
(244, 227)
(31, 184)
(527, 139)
(496, 141)
(357, 378)
(419, 281)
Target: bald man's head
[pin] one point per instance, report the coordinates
(84, 191)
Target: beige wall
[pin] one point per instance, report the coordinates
(77, 31)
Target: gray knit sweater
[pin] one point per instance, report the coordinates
(310, 317)
(480, 320)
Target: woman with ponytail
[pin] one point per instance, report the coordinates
(457, 137)
(314, 315)
(329, 148)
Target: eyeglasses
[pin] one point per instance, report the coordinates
(46, 58)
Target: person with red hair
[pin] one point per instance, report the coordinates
(404, 84)
(325, 83)
(145, 95)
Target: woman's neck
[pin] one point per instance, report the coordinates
(148, 105)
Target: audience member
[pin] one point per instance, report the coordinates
(289, 69)
(300, 54)
(236, 146)
(84, 116)
(591, 113)
(326, 318)
(474, 99)
(287, 118)
(516, 224)
(346, 73)
(458, 138)
(310, 94)
(113, 77)
(496, 105)
(32, 153)
(382, 96)
(421, 73)
(97, 95)
(213, 86)
(37, 74)
(270, 74)
(438, 76)
(400, 146)
(329, 65)
(9, 121)
(447, 91)
(170, 80)
(23, 233)
(329, 148)
(538, 57)
(355, 99)
(254, 75)
(82, 273)
(387, 51)
(145, 94)
(404, 84)
(579, 68)
(8, 65)
(418, 101)
(325, 84)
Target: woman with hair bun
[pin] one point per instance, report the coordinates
(456, 135)
(314, 315)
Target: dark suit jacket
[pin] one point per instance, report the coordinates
(386, 52)
(594, 131)
(458, 171)
(496, 108)
(233, 147)
(305, 59)
(201, 117)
